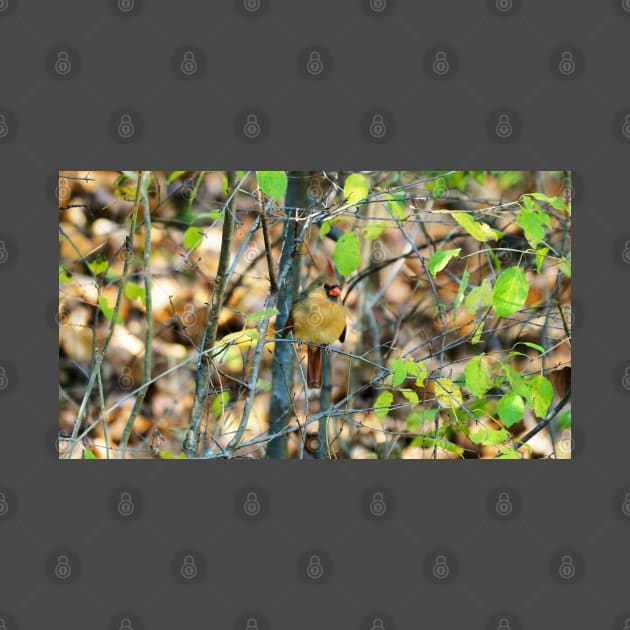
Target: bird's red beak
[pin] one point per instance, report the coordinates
(334, 291)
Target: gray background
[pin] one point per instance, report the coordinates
(127, 567)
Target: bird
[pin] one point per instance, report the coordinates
(318, 317)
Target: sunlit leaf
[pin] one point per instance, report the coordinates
(273, 183)
(449, 396)
(134, 291)
(463, 285)
(356, 188)
(511, 408)
(219, 402)
(374, 230)
(510, 292)
(383, 403)
(346, 253)
(193, 237)
(107, 310)
(477, 375)
(479, 297)
(477, 229)
(440, 259)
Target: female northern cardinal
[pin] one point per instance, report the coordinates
(318, 317)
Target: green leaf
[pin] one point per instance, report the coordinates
(167, 455)
(373, 231)
(508, 453)
(324, 228)
(564, 419)
(424, 441)
(272, 183)
(440, 259)
(531, 344)
(448, 395)
(479, 297)
(107, 310)
(64, 275)
(395, 205)
(555, 202)
(532, 226)
(476, 334)
(398, 369)
(517, 383)
(260, 315)
(213, 216)
(477, 375)
(542, 392)
(346, 253)
(98, 265)
(411, 396)
(87, 454)
(356, 188)
(173, 175)
(134, 291)
(565, 267)
(477, 229)
(511, 408)
(193, 237)
(510, 291)
(489, 437)
(419, 370)
(463, 285)
(383, 403)
(540, 256)
(219, 402)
